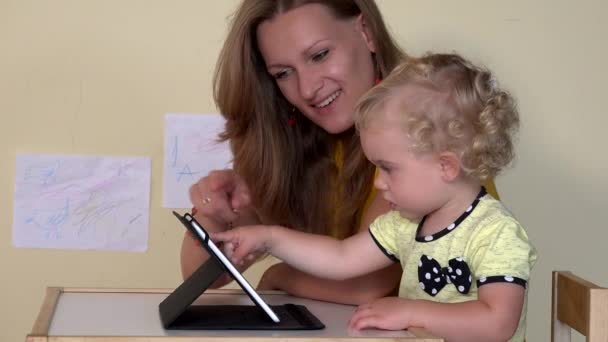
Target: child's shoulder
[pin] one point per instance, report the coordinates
(490, 211)
(498, 243)
(491, 221)
(393, 219)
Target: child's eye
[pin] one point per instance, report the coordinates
(385, 169)
(319, 56)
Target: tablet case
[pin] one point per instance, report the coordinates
(176, 311)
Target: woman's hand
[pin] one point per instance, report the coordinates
(220, 201)
(220, 196)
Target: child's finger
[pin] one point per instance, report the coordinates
(229, 249)
(370, 322)
(244, 252)
(226, 236)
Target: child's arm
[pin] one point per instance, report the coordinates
(318, 255)
(494, 316)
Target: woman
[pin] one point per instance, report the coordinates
(287, 81)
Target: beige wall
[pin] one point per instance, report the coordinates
(97, 77)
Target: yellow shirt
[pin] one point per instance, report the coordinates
(485, 245)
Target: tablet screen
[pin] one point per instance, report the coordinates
(201, 234)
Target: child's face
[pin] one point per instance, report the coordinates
(412, 183)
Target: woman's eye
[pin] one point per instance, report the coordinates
(319, 56)
(281, 74)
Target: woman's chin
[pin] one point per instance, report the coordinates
(336, 126)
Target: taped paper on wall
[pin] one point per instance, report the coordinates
(191, 151)
(81, 202)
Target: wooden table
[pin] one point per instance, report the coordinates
(120, 315)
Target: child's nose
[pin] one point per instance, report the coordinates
(380, 184)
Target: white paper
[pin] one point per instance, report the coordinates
(191, 151)
(81, 202)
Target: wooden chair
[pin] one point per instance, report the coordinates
(580, 305)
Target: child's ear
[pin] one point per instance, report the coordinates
(450, 166)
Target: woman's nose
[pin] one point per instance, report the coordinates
(310, 83)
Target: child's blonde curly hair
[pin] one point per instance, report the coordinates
(459, 108)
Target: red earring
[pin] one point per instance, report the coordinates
(377, 81)
(292, 118)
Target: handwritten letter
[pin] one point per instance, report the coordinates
(81, 202)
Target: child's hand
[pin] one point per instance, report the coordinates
(243, 242)
(389, 313)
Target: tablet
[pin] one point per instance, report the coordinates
(201, 234)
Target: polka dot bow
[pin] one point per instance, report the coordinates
(433, 277)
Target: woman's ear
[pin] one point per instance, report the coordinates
(450, 166)
(366, 33)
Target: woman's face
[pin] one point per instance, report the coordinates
(321, 64)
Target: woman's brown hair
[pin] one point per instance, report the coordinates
(291, 170)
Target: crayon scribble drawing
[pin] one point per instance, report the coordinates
(191, 151)
(81, 202)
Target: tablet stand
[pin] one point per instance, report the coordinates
(176, 311)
